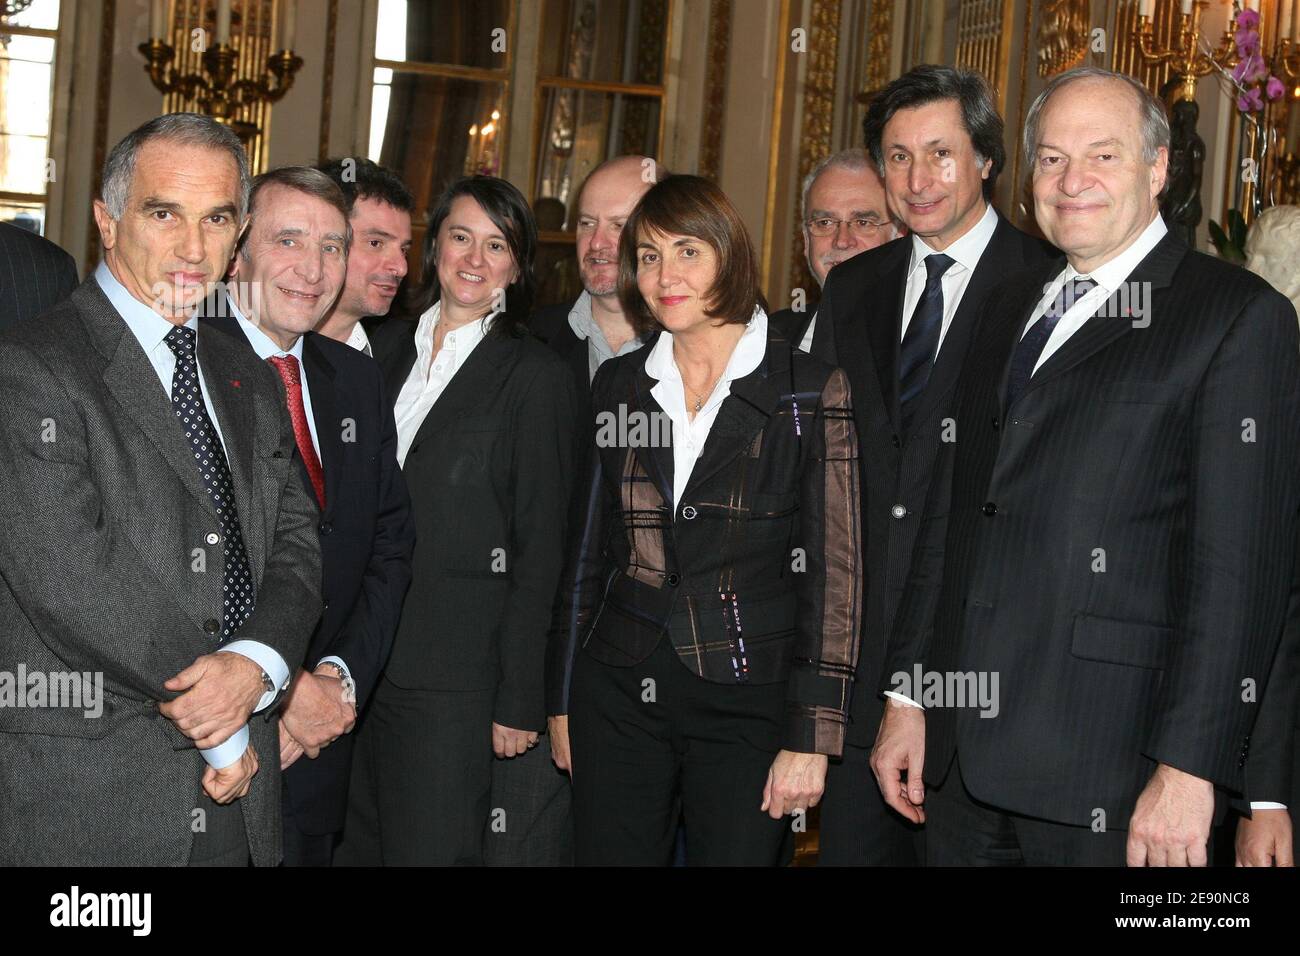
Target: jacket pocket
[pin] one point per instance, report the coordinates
(1121, 642)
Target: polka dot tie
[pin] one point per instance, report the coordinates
(187, 403)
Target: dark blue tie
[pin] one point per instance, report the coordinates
(921, 341)
(192, 413)
(1032, 343)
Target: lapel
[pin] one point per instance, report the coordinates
(1009, 325)
(657, 461)
(473, 386)
(320, 376)
(1001, 257)
(131, 379)
(743, 414)
(1109, 323)
(246, 424)
(870, 324)
(395, 352)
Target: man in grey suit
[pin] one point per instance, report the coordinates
(154, 539)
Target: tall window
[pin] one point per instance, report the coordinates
(28, 37)
(439, 97)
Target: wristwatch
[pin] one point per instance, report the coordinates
(269, 687)
(349, 685)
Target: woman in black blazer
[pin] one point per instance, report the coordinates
(485, 420)
(709, 619)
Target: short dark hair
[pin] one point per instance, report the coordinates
(506, 207)
(363, 179)
(303, 179)
(684, 205)
(927, 84)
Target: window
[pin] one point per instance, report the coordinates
(28, 38)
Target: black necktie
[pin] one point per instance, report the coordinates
(187, 403)
(1032, 342)
(921, 341)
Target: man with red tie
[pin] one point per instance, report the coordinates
(288, 273)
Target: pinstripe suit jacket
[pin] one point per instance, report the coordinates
(35, 274)
(778, 472)
(1117, 545)
(106, 565)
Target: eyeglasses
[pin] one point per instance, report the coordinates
(862, 228)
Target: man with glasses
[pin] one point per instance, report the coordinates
(844, 213)
(897, 319)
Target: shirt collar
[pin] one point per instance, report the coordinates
(149, 328)
(262, 343)
(966, 250)
(745, 357)
(461, 342)
(358, 339)
(1111, 274)
(584, 326)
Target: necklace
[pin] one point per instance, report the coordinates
(701, 396)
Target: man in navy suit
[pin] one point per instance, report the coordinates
(287, 275)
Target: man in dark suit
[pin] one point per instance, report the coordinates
(347, 444)
(35, 274)
(845, 212)
(152, 532)
(897, 319)
(381, 208)
(1110, 538)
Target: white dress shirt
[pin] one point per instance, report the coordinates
(965, 253)
(1109, 277)
(359, 340)
(150, 330)
(585, 326)
(431, 373)
(690, 435)
(806, 344)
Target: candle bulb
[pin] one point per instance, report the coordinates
(1295, 21)
(289, 27)
(223, 21)
(1187, 8)
(1284, 29)
(1144, 8)
(157, 20)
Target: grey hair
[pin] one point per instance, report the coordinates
(855, 160)
(1155, 122)
(303, 179)
(184, 129)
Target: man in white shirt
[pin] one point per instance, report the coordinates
(896, 319)
(1110, 542)
(288, 273)
(381, 210)
(845, 212)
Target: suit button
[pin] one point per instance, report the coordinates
(325, 605)
(898, 511)
(211, 625)
(277, 454)
(673, 579)
(326, 527)
(989, 508)
(689, 513)
(212, 538)
(897, 443)
(996, 424)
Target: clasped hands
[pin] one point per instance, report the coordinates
(217, 695)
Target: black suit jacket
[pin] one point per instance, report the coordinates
(551, 325)
(791, 324)
(366, 539)
(860, 321)
(35, 274)
(775, 482)
(489, 472)
(1117, 546)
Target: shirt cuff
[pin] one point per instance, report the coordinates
(1266, 805)
(227, 753)
(336, 660)
(269, 659)
(902, 697)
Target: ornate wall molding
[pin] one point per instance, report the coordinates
(984, 42)
(327, 81)
(715, 89)
(1064, 29)
(103, 89)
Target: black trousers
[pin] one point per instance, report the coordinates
(857, 827)
(962, 831)
(645, 737)
(300, 847)
(421, 779)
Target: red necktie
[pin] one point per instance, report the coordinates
(287, 366)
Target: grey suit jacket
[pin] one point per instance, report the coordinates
(105, 567)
